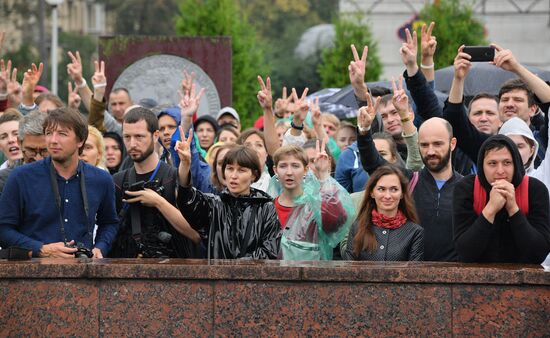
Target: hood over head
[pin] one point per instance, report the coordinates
(173, 112)
(516, 126)
(519, 171)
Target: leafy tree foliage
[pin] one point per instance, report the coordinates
(143, 17)
(455, 25)
(280, 24)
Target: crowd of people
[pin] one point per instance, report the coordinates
(412, 181)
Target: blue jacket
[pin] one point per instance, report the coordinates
(30, 217)
(349, 171)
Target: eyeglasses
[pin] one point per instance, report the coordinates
(32, 152)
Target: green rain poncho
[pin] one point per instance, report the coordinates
(321, 218)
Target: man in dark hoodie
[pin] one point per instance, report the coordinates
(500, 214)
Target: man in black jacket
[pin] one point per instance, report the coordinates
(151, 225)
(433, 187)
(501, 215)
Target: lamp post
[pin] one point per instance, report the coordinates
(53, 61)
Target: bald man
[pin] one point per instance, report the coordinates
(431, 188)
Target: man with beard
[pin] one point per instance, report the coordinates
(431, 188)
(151, 225)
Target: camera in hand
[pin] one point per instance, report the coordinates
(81, 251)
(141, 185)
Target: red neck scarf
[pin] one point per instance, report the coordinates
(387, 222)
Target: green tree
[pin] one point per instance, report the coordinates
(455, 25)
(280, 24)
(225, 18)
(334, 61)
(142, 17)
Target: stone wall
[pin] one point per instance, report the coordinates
(250, 298)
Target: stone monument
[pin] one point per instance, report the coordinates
(152, 67)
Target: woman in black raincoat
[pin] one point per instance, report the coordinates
(242, 221)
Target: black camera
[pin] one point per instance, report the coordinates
(159, 250)
(141, 185)
(81, 251)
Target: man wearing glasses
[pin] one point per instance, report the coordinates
(32, 141)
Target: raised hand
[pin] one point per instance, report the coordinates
(357, 67)
(409, 50)
(74, 99)
(297, 103)
(8, 84)
(299, 106)
(32, 76)
(99, 80)
(281, 105)
(183, 147)
(30, 80)
(505, 59)
(74, 69)
(14, 88)
(264, 94)
(187, 81)
(367, 114)
(428, 43)
(315, 113)
(400, 99)
(462, 64)
(4, 77)
(190, 101)
(321, 161)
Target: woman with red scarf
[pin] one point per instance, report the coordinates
(386, 227)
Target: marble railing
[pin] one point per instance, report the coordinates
(47, 297)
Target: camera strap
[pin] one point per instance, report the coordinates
(134, 210)
(55, 190)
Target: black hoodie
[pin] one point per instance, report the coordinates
(510, 239)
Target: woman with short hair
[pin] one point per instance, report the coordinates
(240, 222)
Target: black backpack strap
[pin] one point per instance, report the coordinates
(134, 209)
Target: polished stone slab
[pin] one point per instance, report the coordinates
(177, 297)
